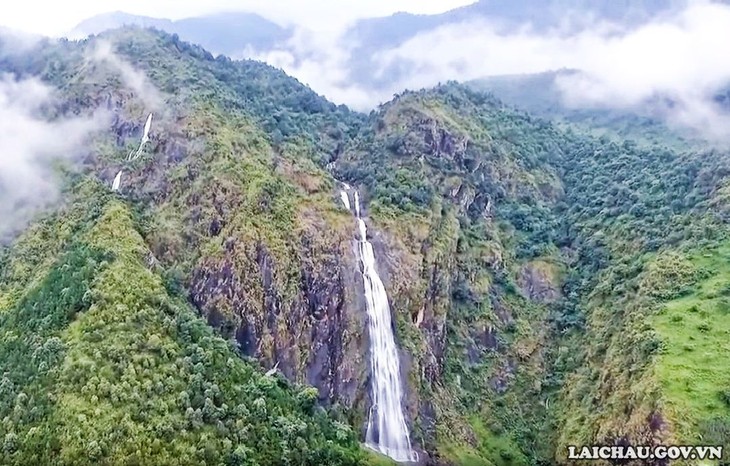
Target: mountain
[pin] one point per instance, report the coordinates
(570, 15)
(540, 95)
(364, 56)
(647, 122)
(106, 21)
(228, 33)
(374, 36)
(547, 288)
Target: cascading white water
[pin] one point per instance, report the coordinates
(345, 199)
(117, 181)
(387, 431)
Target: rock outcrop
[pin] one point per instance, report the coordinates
(307, 320)
(539, 281)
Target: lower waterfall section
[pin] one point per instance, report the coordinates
(387, 431)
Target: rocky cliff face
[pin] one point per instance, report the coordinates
(267, 268)
(539, 281)
(252, 235)
(470, 309)
(518, 302)
(309, 322)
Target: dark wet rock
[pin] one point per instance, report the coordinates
(427, 420)
(501, 310)
(656, 422)
(441, 142)
(482, 341)
(313, 328)
(488, 338)
(434, 324)
(173, 151)
(505, 373)
(247, 338)
(215, 227)
(538, 282)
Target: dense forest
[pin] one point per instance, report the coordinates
(548, 287)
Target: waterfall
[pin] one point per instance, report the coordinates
(145, 139)
(345, 199)
(117, 181)
(134, 155)
(387, 431)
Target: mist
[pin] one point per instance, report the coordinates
(29, 144)
(321, 60)
(13, 42)
(680, 57)
(102, 54)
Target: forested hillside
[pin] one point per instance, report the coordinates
(540, 95)
(548, 288)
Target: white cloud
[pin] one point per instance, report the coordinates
(680, 55)
(131, 78)
(29, 143)
(320, 60)
(14, 42)
(702, 115)
(683, 53)
(683, 56)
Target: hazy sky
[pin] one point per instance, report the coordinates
(59, 17)
(682, 56)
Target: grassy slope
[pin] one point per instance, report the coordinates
(693, 367)
(633, 212)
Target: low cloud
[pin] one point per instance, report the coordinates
(29, 144)
(680, 56)
(321, 60)
(131, 78)
(16, 42)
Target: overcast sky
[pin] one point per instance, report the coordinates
(57, 18)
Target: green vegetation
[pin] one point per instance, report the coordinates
(612, 220)
(539, 95)
(490, 450)
(465, 190)
(692, 366)
(548, 288)
(105, 361)
(101, 364)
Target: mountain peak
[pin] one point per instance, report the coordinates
(229, 33)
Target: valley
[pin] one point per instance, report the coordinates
(546, 287)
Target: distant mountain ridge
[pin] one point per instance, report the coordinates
(102, 22)
(540, 95)
(226, 33)
(231, 32)
(242, 35)
(374, 35)
(541, 15)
